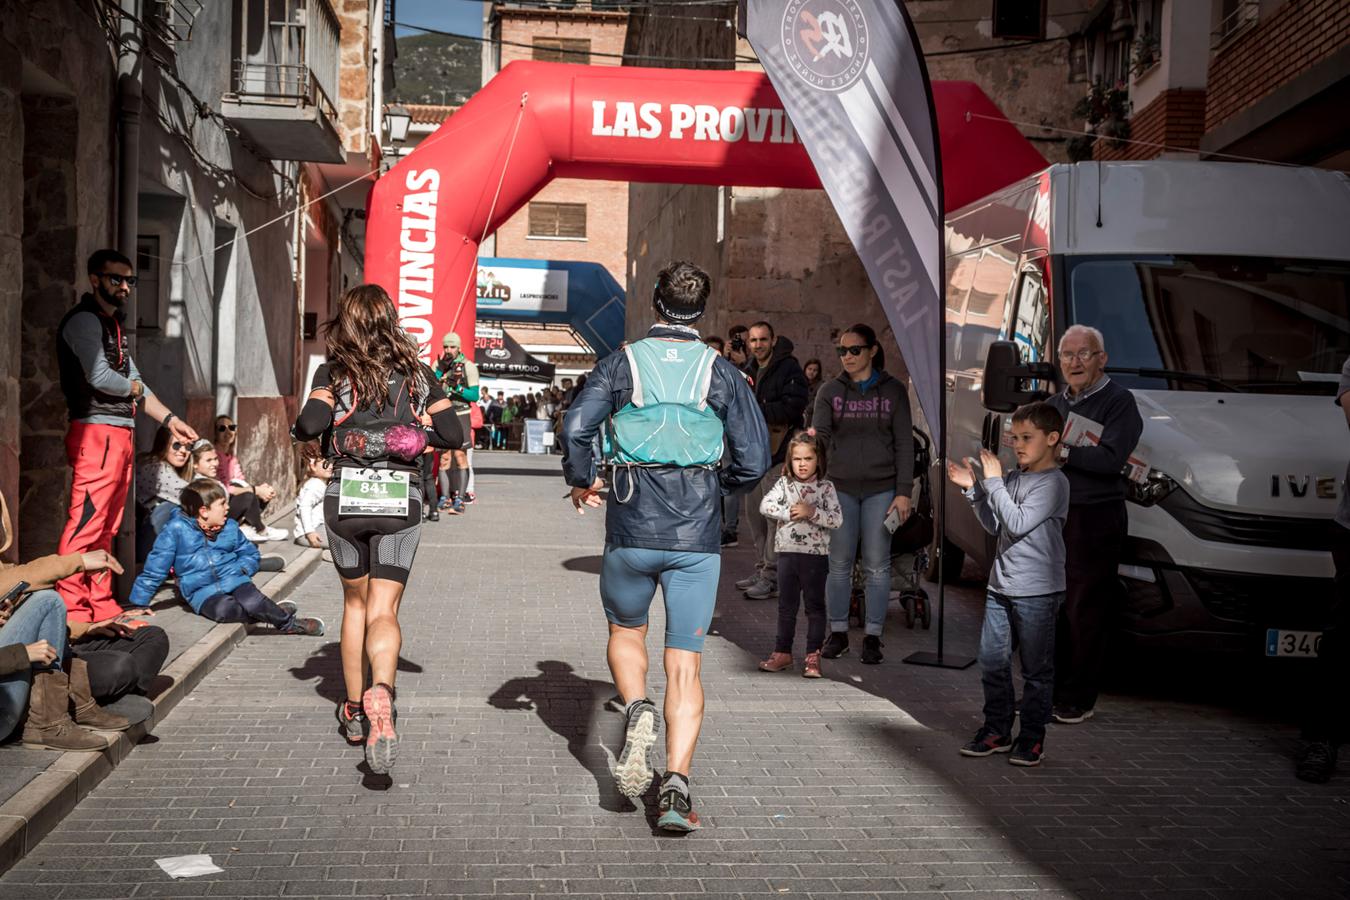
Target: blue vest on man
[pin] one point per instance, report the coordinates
(668, 421)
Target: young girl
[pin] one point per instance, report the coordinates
(245, 508)
(807, 507)
(312, 474)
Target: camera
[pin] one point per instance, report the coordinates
(738, 344)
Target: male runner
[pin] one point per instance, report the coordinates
(459, 376)
(671, 406)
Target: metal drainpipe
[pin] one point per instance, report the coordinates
(128, 195)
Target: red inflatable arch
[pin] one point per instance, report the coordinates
(538, 121)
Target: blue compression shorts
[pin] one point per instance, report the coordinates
(628, 580)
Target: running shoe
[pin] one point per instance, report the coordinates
(381, 739)
(746, 583)
(288, 606)
(470, 498)
(1026, 752)
(763, 590)
(836, 645)
(729, 539)
(633, 773)
(309, 627)
(1071, 715)
(677, 812)
(352, 719)
(986, 743)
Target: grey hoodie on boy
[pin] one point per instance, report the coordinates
(868, 434)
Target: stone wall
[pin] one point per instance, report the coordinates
(56, 164)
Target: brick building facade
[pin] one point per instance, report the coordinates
(570, 219)
(1257, 79)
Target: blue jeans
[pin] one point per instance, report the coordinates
(1026, 624)
(865, 516)
(42, 617)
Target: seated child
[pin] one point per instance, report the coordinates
(312, 474)
(214, 564)
(1025, 509)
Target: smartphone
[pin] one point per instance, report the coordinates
(892, 520)
(13, 597)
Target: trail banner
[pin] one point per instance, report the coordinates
(851, 76)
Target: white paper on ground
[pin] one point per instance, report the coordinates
(188, 866)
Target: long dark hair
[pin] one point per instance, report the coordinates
(806, 438)
(366, 344)
(870, 339)
(820, 370)
(159, 450)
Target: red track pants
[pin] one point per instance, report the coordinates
(100, 458)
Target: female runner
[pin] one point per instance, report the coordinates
(374, 407)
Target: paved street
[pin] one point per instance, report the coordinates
(849, 785)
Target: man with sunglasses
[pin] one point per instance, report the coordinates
(1095, 531)
(103, 389)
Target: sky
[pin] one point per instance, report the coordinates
(458, 16)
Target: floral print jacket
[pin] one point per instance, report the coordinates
(809, 535)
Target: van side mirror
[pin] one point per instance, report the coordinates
(1005, 375)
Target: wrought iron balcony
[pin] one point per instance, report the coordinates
(285, 78)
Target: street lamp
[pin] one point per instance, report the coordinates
(397, 119)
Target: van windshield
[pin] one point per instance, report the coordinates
(1250, 324)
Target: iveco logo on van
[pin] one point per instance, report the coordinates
(1324, 486)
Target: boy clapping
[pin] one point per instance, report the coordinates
(1026, 510)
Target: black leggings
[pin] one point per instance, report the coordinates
(247, 508)
(378, 546)
(245, 604)
(801, 581)
(120, 665)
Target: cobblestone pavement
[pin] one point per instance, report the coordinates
(846, 786)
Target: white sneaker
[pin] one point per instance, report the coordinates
(251, 535)
(275, 534)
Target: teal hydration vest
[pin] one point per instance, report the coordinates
(667, 422)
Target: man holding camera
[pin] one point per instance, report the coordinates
(460, 378)
(780, 389)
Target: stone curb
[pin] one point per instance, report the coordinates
(28, 816)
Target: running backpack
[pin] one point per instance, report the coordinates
(667, 422)
(365, 434)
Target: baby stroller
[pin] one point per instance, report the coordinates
(909, 549)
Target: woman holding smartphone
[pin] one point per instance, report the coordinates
(863, 419)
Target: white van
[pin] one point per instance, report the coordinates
(1223, 291)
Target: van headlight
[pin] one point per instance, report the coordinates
(1153, 489)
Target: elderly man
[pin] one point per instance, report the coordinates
(1094, 534)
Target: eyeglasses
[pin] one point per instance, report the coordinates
(227, 427)
(119, 280)
(178, 445)
(855, 350)
(1082, 355)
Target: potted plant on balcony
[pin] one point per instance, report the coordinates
(1145, 54)
(1106, 108)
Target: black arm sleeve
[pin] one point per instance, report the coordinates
(446, 432)
(313, 420)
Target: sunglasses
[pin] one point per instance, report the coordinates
(857, 350)
(227, 427)
(119, 280)
(178, 445)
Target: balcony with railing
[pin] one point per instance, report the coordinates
(284, 86)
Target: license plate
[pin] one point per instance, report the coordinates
(373, 492)
(1292, 643)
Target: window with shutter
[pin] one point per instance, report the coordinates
(565, 50)
(557, 220)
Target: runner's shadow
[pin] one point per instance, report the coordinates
(567, 704)
(588, 564)
(325, 664)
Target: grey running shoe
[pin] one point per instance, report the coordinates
(764, 590)
(747, 583)
(310, 627)
(352, 719)
(289, 606)
(633, 773)
(381, 738)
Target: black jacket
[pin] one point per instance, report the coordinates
(669, 508)
(781, 393)
(83, 399)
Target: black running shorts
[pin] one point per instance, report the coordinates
(378, 546)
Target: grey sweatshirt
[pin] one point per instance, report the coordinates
(1026, 511)
(868, 434)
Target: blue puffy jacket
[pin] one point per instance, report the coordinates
(669, 508)
(204, 567)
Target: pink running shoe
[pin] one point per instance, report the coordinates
(381, 739)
